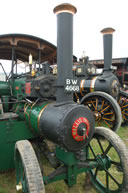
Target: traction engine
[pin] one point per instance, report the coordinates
(101, 91)
(54, 116)
(40, 117)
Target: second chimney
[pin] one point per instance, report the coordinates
(107, 44)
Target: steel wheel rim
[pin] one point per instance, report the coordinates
(96, 174)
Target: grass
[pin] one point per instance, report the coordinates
(7, 180)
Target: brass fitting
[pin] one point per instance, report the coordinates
(19, 187)
(107, 30)
(65, 7)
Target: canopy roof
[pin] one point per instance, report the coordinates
(115, 62)
(24, 45)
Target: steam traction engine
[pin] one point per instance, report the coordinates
(38, 106)
(54, 116)
(100, 91)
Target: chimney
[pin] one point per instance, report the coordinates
(107, 43)
(64, 14)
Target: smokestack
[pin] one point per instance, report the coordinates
(64, 14)
(107, 43)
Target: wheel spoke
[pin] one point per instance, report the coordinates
(105, 108)
(96, 172)
(100, 145)
(108, 124)
(93, 105)
(111, 113)
(107, 181)
(92, 151)
(112, 178)
(96, 103)
(107, 150)
(125, 112)
(124, 106)
(116, 163)
(102, 105)
(124, 116)
(111, 120)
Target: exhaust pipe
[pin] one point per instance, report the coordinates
(64, 14)
(107, 44)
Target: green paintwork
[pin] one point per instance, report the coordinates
(104, 163)
(10, 132)
(70, 162)
(5, 100)
(4, 88)
(18, 86)
(31, 115)
(68, 158)
(18, 108)
(55, 179)
(25, 126)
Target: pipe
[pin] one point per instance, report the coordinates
(64, 14)
(12, 70)
(107, 43)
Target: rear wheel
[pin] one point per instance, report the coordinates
(105, 108)
(28, 174)
(111, 174)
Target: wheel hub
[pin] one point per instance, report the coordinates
(97, 115)
(104, 163)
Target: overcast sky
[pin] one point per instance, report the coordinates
(36, 17)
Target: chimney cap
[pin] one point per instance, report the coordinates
(65, 7)
(107, 30)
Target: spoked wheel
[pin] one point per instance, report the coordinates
(111, 173)
(123, 103)
(105, 109)
(28, 174)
